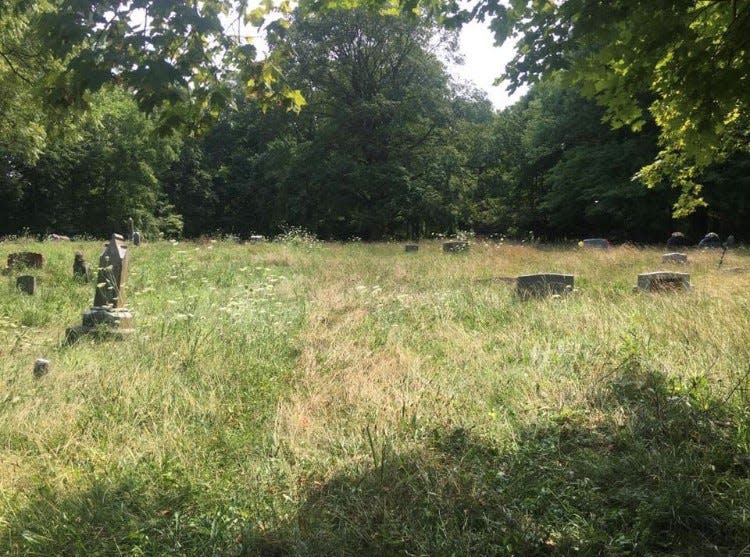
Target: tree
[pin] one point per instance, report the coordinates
(93, 180)
(685, 61)
(362, 158)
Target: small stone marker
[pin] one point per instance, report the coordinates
(108, 315)
(56, 237)
(28, 259)
(674, 257)
(455, 246)
(26, 284)
(544, 284)
(81, 269)
(257, 238)
(411, 248)
(599, 243)
(133, 235)
(41, 367)
(657, 281)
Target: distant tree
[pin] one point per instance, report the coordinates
(689, 57)
(366, 157)
(93, 180)
(549, 165)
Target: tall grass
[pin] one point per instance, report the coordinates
(306, 398)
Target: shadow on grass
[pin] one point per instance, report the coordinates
(650, 467)
(138, 512)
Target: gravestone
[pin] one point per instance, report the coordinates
(57, 237)
(598, 243)
(27, 259)
(108, 316)
(133, 235)
(411, 248)
(41, 367)
(677, 240)
(455, 246)
(674, 257)
(711, 240)
(81, 269)
(257, 238)
(544, 284)
(26, 284)
(659, 281)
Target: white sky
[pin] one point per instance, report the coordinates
(484, 62)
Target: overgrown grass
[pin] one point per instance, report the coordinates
(306, 398)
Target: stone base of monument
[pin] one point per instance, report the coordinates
(660, 281)
(103, 323)
(544, 284)
(455, 246)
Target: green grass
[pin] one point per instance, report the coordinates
(302, 398)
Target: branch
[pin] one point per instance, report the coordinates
(14, 70)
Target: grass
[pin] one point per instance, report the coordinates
(302, 398)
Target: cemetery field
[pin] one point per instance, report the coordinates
(315, 398)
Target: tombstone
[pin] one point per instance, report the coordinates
(659, 281)
(677, 240)
(598, 243)
(27, 259)
(26, 284)
(58, 237)
(113, 269)
(108, 316)
(711, 240)
(411, 248)
(257, 238)
(133, 235)
(41, 367)
(674, 257)
(81, 269)
(455, 246)
(544, 284)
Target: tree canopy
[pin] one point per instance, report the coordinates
(352, 126)
(684, 61)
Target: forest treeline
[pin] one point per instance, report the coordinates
(386, 146)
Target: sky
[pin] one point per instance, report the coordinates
(484, 62)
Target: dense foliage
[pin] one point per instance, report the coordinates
(352, 126)
(683, 61)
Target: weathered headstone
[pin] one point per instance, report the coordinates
(108, 315)
(41, 367)
(133, 235)
(136, 238)
(56, 237)
(26, 284)
(257, 238)
(677, 240)
(455, 246)
(544, 284)
(657, 281)
(411, 248)
(599, 243)
(711, 240)
(81, 269)
(27, 259)
(674, 257)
